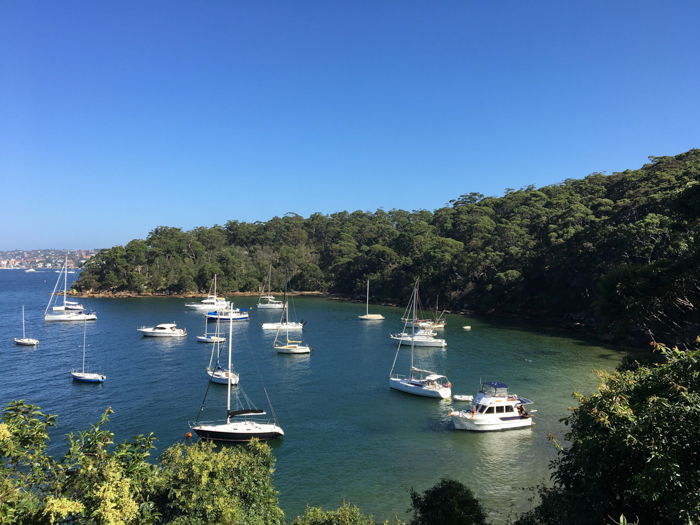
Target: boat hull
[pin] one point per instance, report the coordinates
(26, 341)
(70, 316)
(293, 349)
(438, 343)
(464, 421)
(238, 431)
(220, 377)
(281, 326)
(210, 339)
(270, 306)
(156, 334)
(412, 387)
(371, 317)
(87, 377)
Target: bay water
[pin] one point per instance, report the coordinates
(348, 437)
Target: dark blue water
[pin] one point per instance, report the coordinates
(348, 437)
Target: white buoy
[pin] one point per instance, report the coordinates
(467, 328)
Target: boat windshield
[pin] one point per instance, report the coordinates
(494, 388)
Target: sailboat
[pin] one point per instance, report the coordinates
(212, 302)
(83, 376)
(368, 316)
(268, 301)
(284, 322)
(69, 310)
(289, 346)
(24, 340)
(419, 382)
(243, 423)
(216, 373)
(210, 338)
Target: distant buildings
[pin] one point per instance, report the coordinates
(44, 258)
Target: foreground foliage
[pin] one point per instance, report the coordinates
(634, 450)
(621, 252)
(96, 481)
(447, 503)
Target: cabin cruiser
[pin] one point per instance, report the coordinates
(229, 314)
(494, 408)
(212, 302)
(163, 330)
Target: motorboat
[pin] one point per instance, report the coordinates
(211, 302)
(24, 340)
(368, 316)
(243, 422)
(82, 376)
(422, 337)
(494, 408)
(163, 330)
(419, 382)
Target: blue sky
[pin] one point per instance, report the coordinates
(119, 117)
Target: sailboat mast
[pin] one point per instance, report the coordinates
(367, 309)
(230, 375)
(84, 339)
(65, 280)
(23, 335)
(413, 324)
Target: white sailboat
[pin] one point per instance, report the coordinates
(216, 373)
(284, 322)
(24, 340)
(267, 301)
(210, 338)
(242, 423)
(368, 316)
(69, 310)
(83, 376)
(288, 346)
(419, 382)
(212, 301)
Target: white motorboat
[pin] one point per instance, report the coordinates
(494, 408)
(24, 340)
(267, 301)
(82, 376)
(368, 316)
(163, 330)
(212, 301)
(68, 310)
(419, 382)
(231, 314)
(243, 423)
(216, 373)
(29, 270)
(420, 337)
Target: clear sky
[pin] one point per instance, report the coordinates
(117, 117)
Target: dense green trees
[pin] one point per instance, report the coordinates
(617, 252)
(634, 450)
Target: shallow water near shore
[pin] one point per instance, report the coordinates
(348, 436)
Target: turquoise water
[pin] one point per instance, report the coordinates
(348, 436)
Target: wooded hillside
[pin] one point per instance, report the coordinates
(619, 252)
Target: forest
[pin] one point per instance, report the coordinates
(616, 254)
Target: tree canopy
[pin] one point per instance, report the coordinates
(616, 252)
